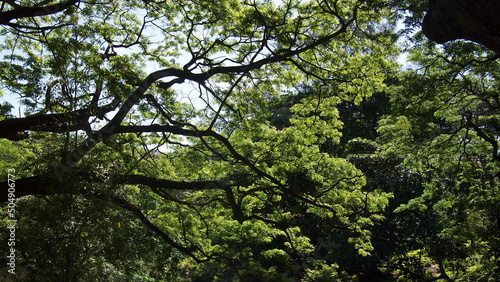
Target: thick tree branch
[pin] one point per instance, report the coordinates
(180, 76)
(44, 122)
(36, 185)
(167, 184)
(229, 146)
(160, 128)
(40, 185)
(475, 20)
(25, 12)
(46, 185)
(65, 122)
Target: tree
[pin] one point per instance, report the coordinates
(213, 180)
(443, 123)
(246, 141)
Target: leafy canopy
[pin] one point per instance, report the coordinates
(247, 141)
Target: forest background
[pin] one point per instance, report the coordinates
(250, 140)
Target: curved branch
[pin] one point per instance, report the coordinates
(475, 20)
(168, 184)
(12, 129)
(138, 213)
(47, 185)
(180, 76)
(480, 133)
(237, 156)
(24, 12)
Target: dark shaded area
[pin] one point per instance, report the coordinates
(475, 20)
(19, 12)
(15, 129)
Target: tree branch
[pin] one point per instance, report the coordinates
(71, 121)
(138, 213)
(46, 185)
(36, 185)
(25, 12)
(180, 76)
(167, 184)
(480, 133)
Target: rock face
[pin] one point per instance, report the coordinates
(476, 20)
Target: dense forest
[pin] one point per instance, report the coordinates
(250, 140)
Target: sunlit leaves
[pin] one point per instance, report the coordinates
(446, 128)
(233, 63)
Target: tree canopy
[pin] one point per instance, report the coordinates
(246, 141)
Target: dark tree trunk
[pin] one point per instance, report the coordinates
(476, 20)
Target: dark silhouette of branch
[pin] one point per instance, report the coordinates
(12, 128)
(36, 185)
(47, 185)
(138, 213)
(484, 136)
(236, 155)
(475, 20)
(167, 184)
(24, 12)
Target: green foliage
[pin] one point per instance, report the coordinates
(438, 125)
(249, 141)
